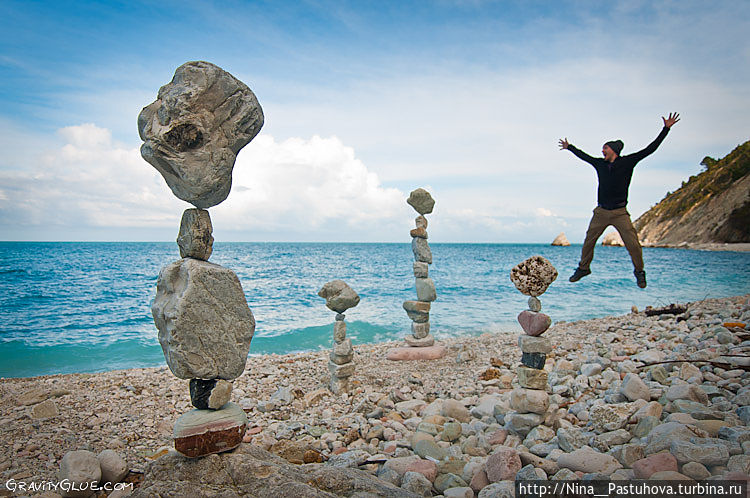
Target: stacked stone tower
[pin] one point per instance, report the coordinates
(192, 134)
(339, 298)
(419, 310)
(530, 401)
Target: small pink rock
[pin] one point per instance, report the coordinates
(534, 323)
(503, 464)
(498, 437)
(410, 353)
(425, 467)
(479, 481)
(645, 467)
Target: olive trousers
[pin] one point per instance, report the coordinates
(620, 219)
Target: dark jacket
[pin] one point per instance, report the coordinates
(614, 177)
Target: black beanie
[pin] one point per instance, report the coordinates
(616, 145)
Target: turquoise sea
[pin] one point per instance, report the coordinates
(85, 307)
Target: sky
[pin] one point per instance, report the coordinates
(365, 102)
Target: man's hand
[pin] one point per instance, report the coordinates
(564, 143)
(671, 120)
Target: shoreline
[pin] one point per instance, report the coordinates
(132, 411)
(705, 246)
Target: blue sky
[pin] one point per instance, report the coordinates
(365, 101)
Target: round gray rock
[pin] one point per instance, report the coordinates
(114, 467)
(194, 129)
(421, 201)
(205, 326)
(339, 296)
(81, 468)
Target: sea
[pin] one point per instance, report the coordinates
(70, 307)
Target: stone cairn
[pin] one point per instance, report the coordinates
(419, 310)
(339, 298)
(192, 134)
(530, 401)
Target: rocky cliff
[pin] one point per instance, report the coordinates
(711, 207)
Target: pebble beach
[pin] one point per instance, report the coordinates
(437, 427)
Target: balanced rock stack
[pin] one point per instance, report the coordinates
(419, 310)
(192, 134)
(339, 298)
(531, 401)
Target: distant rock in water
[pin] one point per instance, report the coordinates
(561, 240)
(711, 207)
(612, 239)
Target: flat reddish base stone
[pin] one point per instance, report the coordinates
(210, 442)
(409, 353)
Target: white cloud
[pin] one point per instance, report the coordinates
(295, 186)
(303, 185)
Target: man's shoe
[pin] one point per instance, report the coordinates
(640, 278)
(579, 274)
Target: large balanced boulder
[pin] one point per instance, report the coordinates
(194, 129)
(205, 325)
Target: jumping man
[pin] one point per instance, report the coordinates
(614, 173)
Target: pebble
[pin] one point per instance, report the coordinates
(470, 420)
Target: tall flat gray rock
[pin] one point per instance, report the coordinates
(339, 296)
(195, 239)
(195, 128)
(205, 325)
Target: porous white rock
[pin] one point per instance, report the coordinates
(532, 276)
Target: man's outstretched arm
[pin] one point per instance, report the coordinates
(668, 123)
(564, 144)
